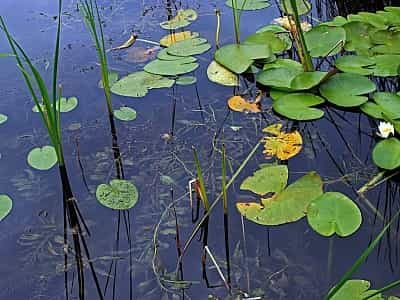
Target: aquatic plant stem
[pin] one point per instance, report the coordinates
(226, 216)
(236, 21)
(305, 54)
(384, 289)
(214, 204)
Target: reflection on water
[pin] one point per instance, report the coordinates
(134, 253)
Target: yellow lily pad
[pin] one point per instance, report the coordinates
(172, 38)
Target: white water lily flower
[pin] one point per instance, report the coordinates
(385, 129)
(289, 25)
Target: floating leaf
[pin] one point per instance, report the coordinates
(189, 47)
(266, 38)
(324, 40)
(344, 89)
(183, 18)
(239, 104)
(389, 104)
(357, 64)
(3, 118)
(5, 206)
(287, 206)
(221, 75)
(355, 289)
(278, 78)
(279, 32)
(386, 154)
(172, 38)
(334, 212)
(386, 65)
(186, 80)
(303, 7)
(298, 106)
(119, 194)
(67, 104)
(357, 37)
(125, 113)
(282, 145)
(238, 58)
(307, 80)
(137, 84)
(112, 78)
(269, 179)
(171, 67)
(42, 158)
(248, 4)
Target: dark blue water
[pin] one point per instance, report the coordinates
(284, 262)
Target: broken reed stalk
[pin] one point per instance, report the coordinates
(206, 205)
(214, 204)
(226, 219)
(48, 105)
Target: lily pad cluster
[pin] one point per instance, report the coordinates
(327, 213)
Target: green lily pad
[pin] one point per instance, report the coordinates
(137, 84)
(307, 80)
(269, 179)
(67, 104)
(183, 18)
(298, 106)
(3, 118)
(266, 38)
(372, 109)
(238, 58)
(276, 94)
(163, 55)
(5, 206)
(170, 68)
(189, 47)
(389, 104)
(112, 78)
(334, 212)
(278, 78)
(358, 37)
(287, 206)
(303, 7)
(248, 4)
(357, 64)
(221, 75)
(42, 158)
(125, 113)
(386, 154)
(387, 65)
(388, 42)
(186, 80)
(325, 40)
(279, 32)
(345, 89)
(119, 194)
(355, 289)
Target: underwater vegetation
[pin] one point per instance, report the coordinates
(281, 78)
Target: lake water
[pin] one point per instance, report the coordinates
(284, 262)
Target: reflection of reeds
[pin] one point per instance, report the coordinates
(48, 105)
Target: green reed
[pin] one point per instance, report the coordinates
(48, 103)
(226, 219)
(361, 259)
(91, 16)
(303, 51)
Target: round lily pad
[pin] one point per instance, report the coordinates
(345, 89)
(42, 158)
(186, 80)
(125, 113)
(112, 78)
(221, 75)
(358, 64)
(67, 104)
(183, 18)
(119, 194)
(386, 154)
(3, 118)
(278, 78)
(287, 206)
(249, 4)
(5, 206)
(303, 6)
(356, 289)
(324, 40)
(189, 47)
(171, 68)
(298, 106)
(307, 80)
(333, 212)
(266, 38)
(269, 179)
